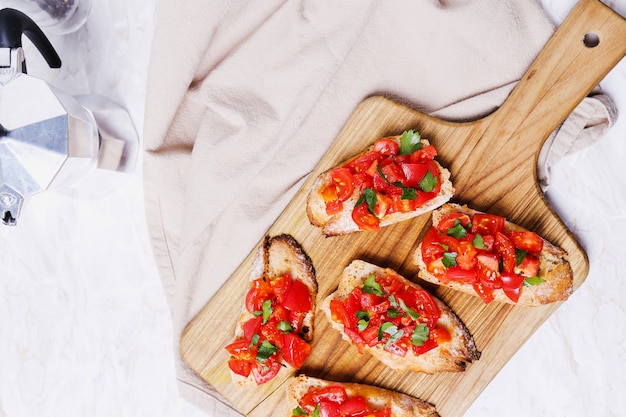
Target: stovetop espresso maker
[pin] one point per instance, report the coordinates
(50, 139)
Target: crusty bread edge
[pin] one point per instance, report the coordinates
(452, 356)
(402, 405)
(267, 263)
(554, 268)
(341, 223)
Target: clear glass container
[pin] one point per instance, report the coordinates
(54, 17)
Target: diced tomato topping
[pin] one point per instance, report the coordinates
(298, 298)
(259, 292)
(251, 327)
(364, 219)
(413, 174)
(512, 285)
(265, 372)
(240, 366)
(333, 401)
(506, 250)
(449, 221)
(294, 350)
(440, 335)
(386, 147)
(529, 267)
(487, 224)
(528, 241)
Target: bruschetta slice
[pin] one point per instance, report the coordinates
(273, 333)
(398, 322)
(308, 396)
(395, 179)
(486, 255)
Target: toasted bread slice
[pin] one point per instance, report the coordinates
(342, 223)
(280, 255)
(555, 274)
(449, 354)
(401, 405)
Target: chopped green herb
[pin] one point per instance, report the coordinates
(530, 281)
(412, 313)
(254, 341)
(370, 286)
(393, 313)
(519, 256)
(364, 320)
(267, 310)
(408, 193)
(388, 328)
(298, 412)
(420, 335)
(284, 326)
(449, 259)
(368, 196)
(317, 411)
(478, 242)
(410, 142)
(394, 337)
(428, 183)
(266, 349)
(457, 231)
(393, 301)
(444, 246)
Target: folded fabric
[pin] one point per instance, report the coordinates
(244, 98)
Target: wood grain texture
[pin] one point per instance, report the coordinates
(493, 165)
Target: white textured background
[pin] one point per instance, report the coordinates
(84, 325)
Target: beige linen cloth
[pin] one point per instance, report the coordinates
(244, 98)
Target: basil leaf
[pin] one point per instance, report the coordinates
(362, 325)
(394, 337)
(364, 320)
(255, 339)
(284, 326)
(388, 328)
(449, 259)
(457, 231)
(393, 302)
(420, 335)
(412, 313)
(519, 256)
(265, 351)
(298, 412)
(410, 142)
(478, 242)
(267, 310)
(408, 193)
(393, 313)
(317, 411)
(428, 183)
(530, 281)
(370, 286)
(368, 196)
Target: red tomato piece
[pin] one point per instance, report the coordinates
(294, 350)
(264, 372)
(332, 393)
(354, 406)
(339, 313)
(466, 255)
(328, 409)
(431, 249)
(413, 174)
(440, 335)
(487, 224)
(383, 203)
(512, 285)
(450, 219)
(251, 327)
(426, 153)
(280, 286)
(488, 271)
(393, 173)
(427, 307)
(456, 273)
(528, 241)
(364, 162)
(240, 366)
(386, 147)
(298, 297)
(341, 179)
(259, 291)
(484, 293)
(506, 250)
(428, 345)
(529, 267)
(364, 219)
(240, 349)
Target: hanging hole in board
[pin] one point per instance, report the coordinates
(591, 40)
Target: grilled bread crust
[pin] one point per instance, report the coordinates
(341, 223)
(277, 256)
(554, 268)
(402, 405)
(451, 356)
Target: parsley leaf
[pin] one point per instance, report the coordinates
(265, 351)
(254, 341)
(386, 327)
(394, 337)
(420, 335)
(449, 259)
(408, 193)
(478, 242)
(410, 142)
(530, 281)
(298, 412)
(284, 326)
(317, 411)
(370, 286)
(428, 183)
(368, 196)
(364, 320)
(519, 256)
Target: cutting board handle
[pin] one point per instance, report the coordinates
(585, 47)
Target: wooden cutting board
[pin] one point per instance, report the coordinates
(493, 165)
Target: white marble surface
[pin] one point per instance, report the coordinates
(84, 325)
